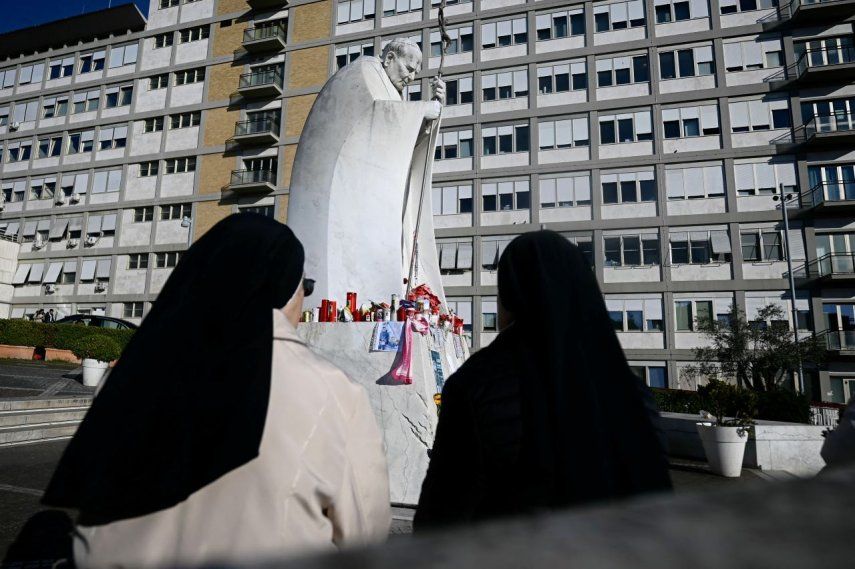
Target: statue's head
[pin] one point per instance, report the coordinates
(402, 60)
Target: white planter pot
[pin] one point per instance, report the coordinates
(93, 371)
(724, 447)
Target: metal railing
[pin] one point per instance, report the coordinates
(842, 191)
(825, 415)
(840, 340)
(257, 126)
(828, 265)
(837, 121)
(824, 57)
(264, 32)
(261, 78)
(240, 177)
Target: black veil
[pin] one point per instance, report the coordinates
(187, 401)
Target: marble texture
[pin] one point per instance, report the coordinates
(406, 414)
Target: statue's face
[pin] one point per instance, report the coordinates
(402, 69)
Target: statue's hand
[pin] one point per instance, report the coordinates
(437, 86)
(433, 110)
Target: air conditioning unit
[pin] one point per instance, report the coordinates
(59, 199)
(72, 243)
(50, 288)
(14, 126)
(39, 243)
(91, 240)
(75, 197)
(100, 286)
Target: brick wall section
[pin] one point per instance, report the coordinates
(311, 21)
(296, 111)
(230, 6)
(207, 216)
(215, 172)
(223, 81)
(309, 67)
(219, 126)
(228, 39)
(282, 209)
(286, 163)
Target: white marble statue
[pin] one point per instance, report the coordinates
(362, 175)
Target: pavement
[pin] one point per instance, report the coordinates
(25, 378)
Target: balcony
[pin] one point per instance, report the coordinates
(257, 132)
(266, 4)
(830, 197)
(264, 38)
(808, 12)
(834, 65)
(261, 84)
(831, 268)
(840, 341)
(246, 181)
(823, 131)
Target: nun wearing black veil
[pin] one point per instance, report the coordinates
(219, 437)
(549, 415)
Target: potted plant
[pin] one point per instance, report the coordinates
(724, 441)
(96, 351)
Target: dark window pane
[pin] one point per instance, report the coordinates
(604, 78)
(607, 132)
(544, 84)
(679, 252)
(663, 14)
(465, 205)
(562, 82)
(667, 70)
(628, 192)
(631, 251)
(681, 11)
(672, 129)
(617, 319)
(506, 143)
(523, 200)
(522, 136)
(625, 131)
(686, 60)
(781, 118)
(451, 93)
(634, 320)
(622, 77)
(700, 252)
(577, 24)
(610, 194)
(648, 190)
(691, 127)
(489, 203)
(612, 251)
(650, 249)
(489, 145)
(506, 202)
(580, 81)
(601, 22)
(559, 24)
(640, 69)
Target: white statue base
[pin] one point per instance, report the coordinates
(406, 414)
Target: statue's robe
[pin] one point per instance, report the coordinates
(363, 163)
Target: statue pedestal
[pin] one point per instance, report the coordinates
(406, 414)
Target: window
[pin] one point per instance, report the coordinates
(80, 141)
(762, 178)
(143, 214)
(455, 257)
(50, 147)
(628, 127)
(635, 314)
(154, 124)
(123, 55)
(631, 250)
(668, 11)
(694, 182)
(194, 34)
(556, 25)
(118, 96)
(25, 111)
(686, 62)
(413, 92)
(451, 200)
(759, 115)
(20, 151)
(761, 245)
(42, 188)
(133, 309)
(55, 107)
(504, 85)
(14, 191)
(392, 7)
(504, 33)
(344, 55)
(690, 312)
(86, 102)
(358, 10)
(461, 41)
(505, 196)
(489, 314)
(185, 120)
(30, 74)
(619, 16)
(107, 181)
(455, 144)
(166, 260)
(462, 308)
(622, 70)
(699, 247)
(180, 165)
(653, 376)
(159, 81)
(690, 121)
(163, 40)
(491, 249)
(628, 187)
(168, 4)
(90, 62)
(175, 211)
(565, 191)
(505, 139)
(265, 210)
(189, 76)
(562, 77)
(112, 137)
(59, 68)
(563, 133)
(753, 54)
(137, 261)
(71, 184)
(458, 91)
(149, 168)
(734, 6)
(7, 78)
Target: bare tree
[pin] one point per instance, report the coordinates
(758, 354)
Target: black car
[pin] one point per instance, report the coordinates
(99, 321)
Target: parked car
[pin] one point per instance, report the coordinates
(99, 321)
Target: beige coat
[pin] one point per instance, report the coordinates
(320, 481)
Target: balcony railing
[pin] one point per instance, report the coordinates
(826, 192)
(829, 265)
(264, 37)
(824, 57)
(253, 177)
(838, 121)
(268, 77)
(804, 11)
(840, 340)
(257, 127)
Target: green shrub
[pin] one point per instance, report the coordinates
(724, 399)
(58, 336)
(776, 405)
(22, 333)
(96, 347)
